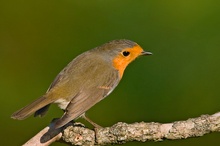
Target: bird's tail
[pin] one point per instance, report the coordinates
(41, 104)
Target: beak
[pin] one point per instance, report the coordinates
(146, 53)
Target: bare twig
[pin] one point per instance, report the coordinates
(123, 132)
(36, 140)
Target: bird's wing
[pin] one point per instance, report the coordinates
(60, 77)
(87, 98)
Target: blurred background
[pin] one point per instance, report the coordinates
(180, 81)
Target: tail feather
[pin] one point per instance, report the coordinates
(41, 112)
(31, 108)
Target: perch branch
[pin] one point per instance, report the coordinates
(123, 132)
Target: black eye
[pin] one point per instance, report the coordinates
(125, 53)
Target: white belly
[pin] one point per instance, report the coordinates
(62, 103)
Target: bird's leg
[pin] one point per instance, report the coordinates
(91, 122)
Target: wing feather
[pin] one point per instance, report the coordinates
(85, 99)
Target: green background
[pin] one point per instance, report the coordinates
(180, 81)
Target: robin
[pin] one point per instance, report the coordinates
(85, 81)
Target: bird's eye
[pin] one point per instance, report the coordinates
(125, 53)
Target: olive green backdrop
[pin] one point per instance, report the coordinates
(181, 80)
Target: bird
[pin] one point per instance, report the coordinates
(86, 80)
